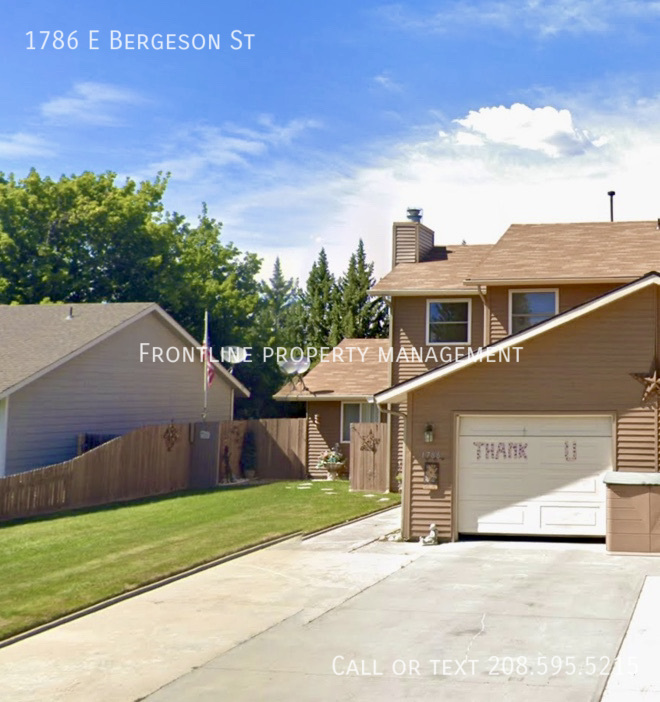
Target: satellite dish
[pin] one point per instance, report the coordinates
(295, 369)
(233, 354)
(286, 366)
(302, 365)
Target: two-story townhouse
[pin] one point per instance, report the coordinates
(519, 440)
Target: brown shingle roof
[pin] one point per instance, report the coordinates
(562, 252)
(34, 337)
(446, 270)
(334, 379)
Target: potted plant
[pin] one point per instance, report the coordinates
(334, 462)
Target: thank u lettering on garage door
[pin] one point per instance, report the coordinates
(496, 450)
(511, 450)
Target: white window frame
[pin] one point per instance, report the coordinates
(341, 418)
(469, 322)
(513, 291)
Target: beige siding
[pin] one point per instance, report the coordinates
(582, 367)
(636, 439)
(107, 390)
(425, 238)
(408, 322)
(323, 433)
(404, 248)
(409, 325)
(411, 242)
(569, 296)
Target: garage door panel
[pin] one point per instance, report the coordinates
(570, 515)
(535, 425)
(513, 484)
(546, 483)
(498, 516)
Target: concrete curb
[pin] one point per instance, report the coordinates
(178, 576)
(350, 521)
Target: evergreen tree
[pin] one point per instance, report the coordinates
(361, 316)
(275, 326)
(279, 298)
(318, 302)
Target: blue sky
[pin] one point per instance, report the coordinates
(343, 114)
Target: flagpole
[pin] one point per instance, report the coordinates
(205, 365)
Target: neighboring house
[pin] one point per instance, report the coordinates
(336, 393)
(521, 446)
(90, 368)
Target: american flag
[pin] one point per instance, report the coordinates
(209, 369)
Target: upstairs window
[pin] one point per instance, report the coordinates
(448, 322)
(529, 307)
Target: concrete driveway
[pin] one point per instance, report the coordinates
(468, 621)
(342, 616)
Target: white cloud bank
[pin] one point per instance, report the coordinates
(21, 145)
(198, 149)
(89, 103)
(473, 176)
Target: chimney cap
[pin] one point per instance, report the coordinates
(414, 214)
(611, 193)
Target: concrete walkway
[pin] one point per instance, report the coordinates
(345, 616)
(129, 650)
(636, 675)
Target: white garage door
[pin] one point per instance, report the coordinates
(533, 475)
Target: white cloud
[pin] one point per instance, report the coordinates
(544, 129)
(544, 17)
(89, 103)
(202, 148)
(384, 80)
(21, 145)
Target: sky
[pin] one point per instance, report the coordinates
(304, 125)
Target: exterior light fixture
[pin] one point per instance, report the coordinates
(428, 433)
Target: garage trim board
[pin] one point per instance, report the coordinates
(532, 474)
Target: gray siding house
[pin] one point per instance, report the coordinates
(67, 370)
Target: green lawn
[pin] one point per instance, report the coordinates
(55, 565)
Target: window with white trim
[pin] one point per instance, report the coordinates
(448, 321)
(353, 412)
(529, 307)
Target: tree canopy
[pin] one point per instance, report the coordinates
(88, 238)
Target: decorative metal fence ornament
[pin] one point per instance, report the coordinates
(171, 436)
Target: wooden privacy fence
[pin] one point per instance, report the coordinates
(148, 461)
(369, 457)
(155, 461)
(280, 448)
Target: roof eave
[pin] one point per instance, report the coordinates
(326, 397)
(422, 292)
(550, 281)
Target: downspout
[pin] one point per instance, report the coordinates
(486, 317)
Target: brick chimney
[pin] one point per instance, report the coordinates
(411, 240)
